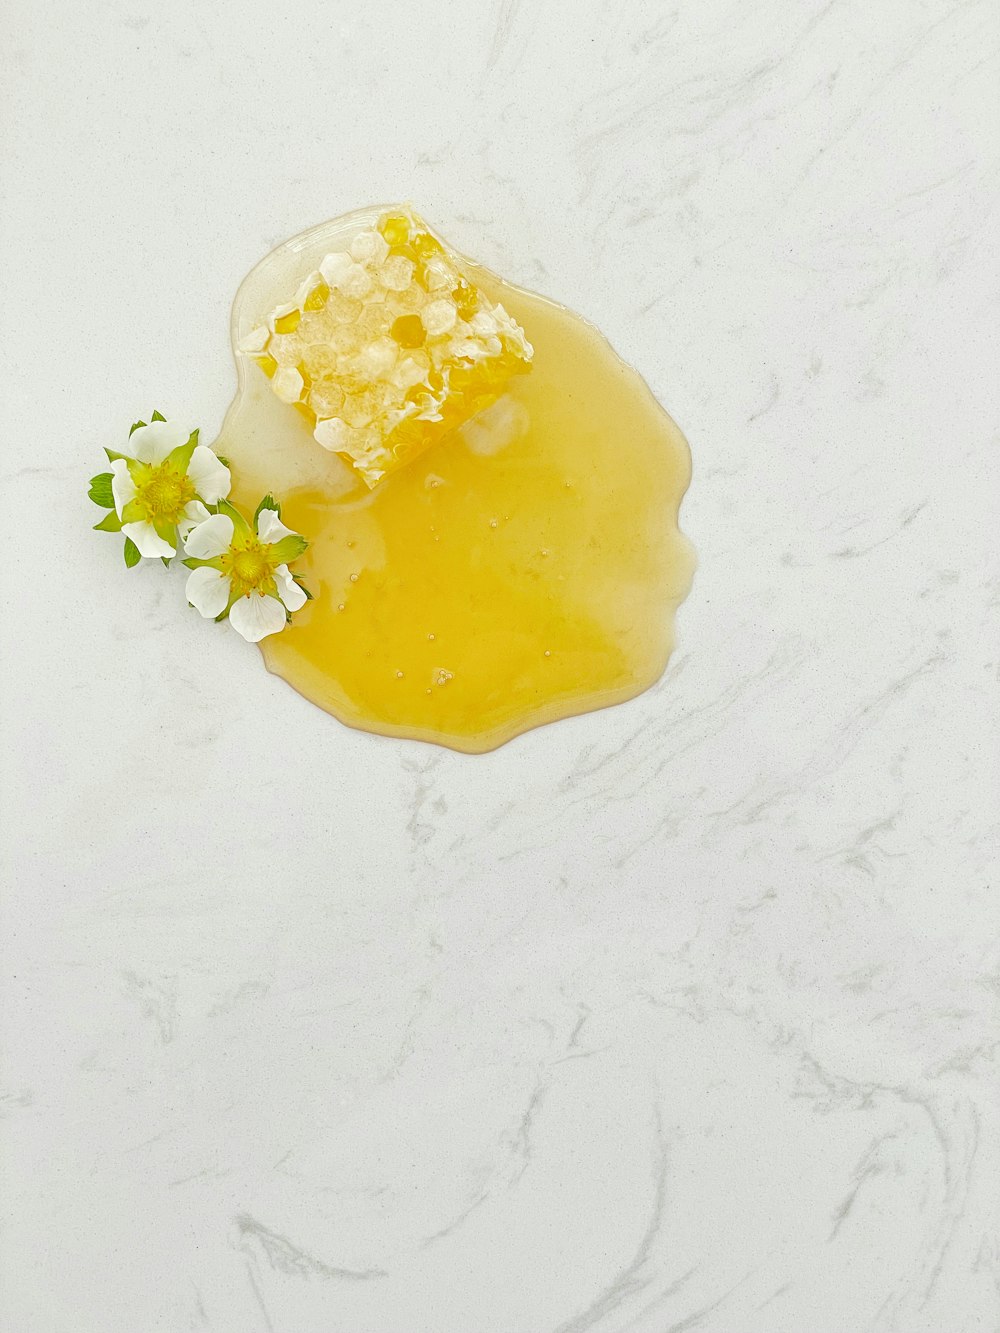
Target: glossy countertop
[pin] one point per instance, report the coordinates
(680, 1015)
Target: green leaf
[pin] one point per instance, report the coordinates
(288, 549)
(132, 556)
(157, 416)
(135, 427)
(100, 490)
(109, 523)
(268, 502)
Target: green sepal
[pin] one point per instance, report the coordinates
(240, 525)
(133, 512)
(299, 584)
(224, 461)
(193, 563)
(167, 532)
(224, 615)
(100, 490)
(109, 523)
(132, 556)
(180, 457)
(134, 427)
(157, 416)
(165, 559)
(112, 456)
(288, 549)
(268, 502)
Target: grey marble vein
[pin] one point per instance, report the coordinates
(283, 1255)
(639, 1271)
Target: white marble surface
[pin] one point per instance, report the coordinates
(677, 1016)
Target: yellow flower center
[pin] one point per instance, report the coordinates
(164, 493)
(249, 566)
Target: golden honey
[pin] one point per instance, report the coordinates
(525, 567)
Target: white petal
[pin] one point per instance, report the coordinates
(270, 527)
(194, 513)
(211, 538)
(147, 539)
(288, 590)
(122, 485)
(256, 616)
(211, 477)
(152, 443)
(208, 592)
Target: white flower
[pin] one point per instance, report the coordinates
(243, 570)
(162, 489)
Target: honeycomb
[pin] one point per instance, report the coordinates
(388, 346)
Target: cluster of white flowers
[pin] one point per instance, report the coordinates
(170, 491)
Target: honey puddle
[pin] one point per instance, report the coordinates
(525, 568)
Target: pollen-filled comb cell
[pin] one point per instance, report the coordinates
(491, 494)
